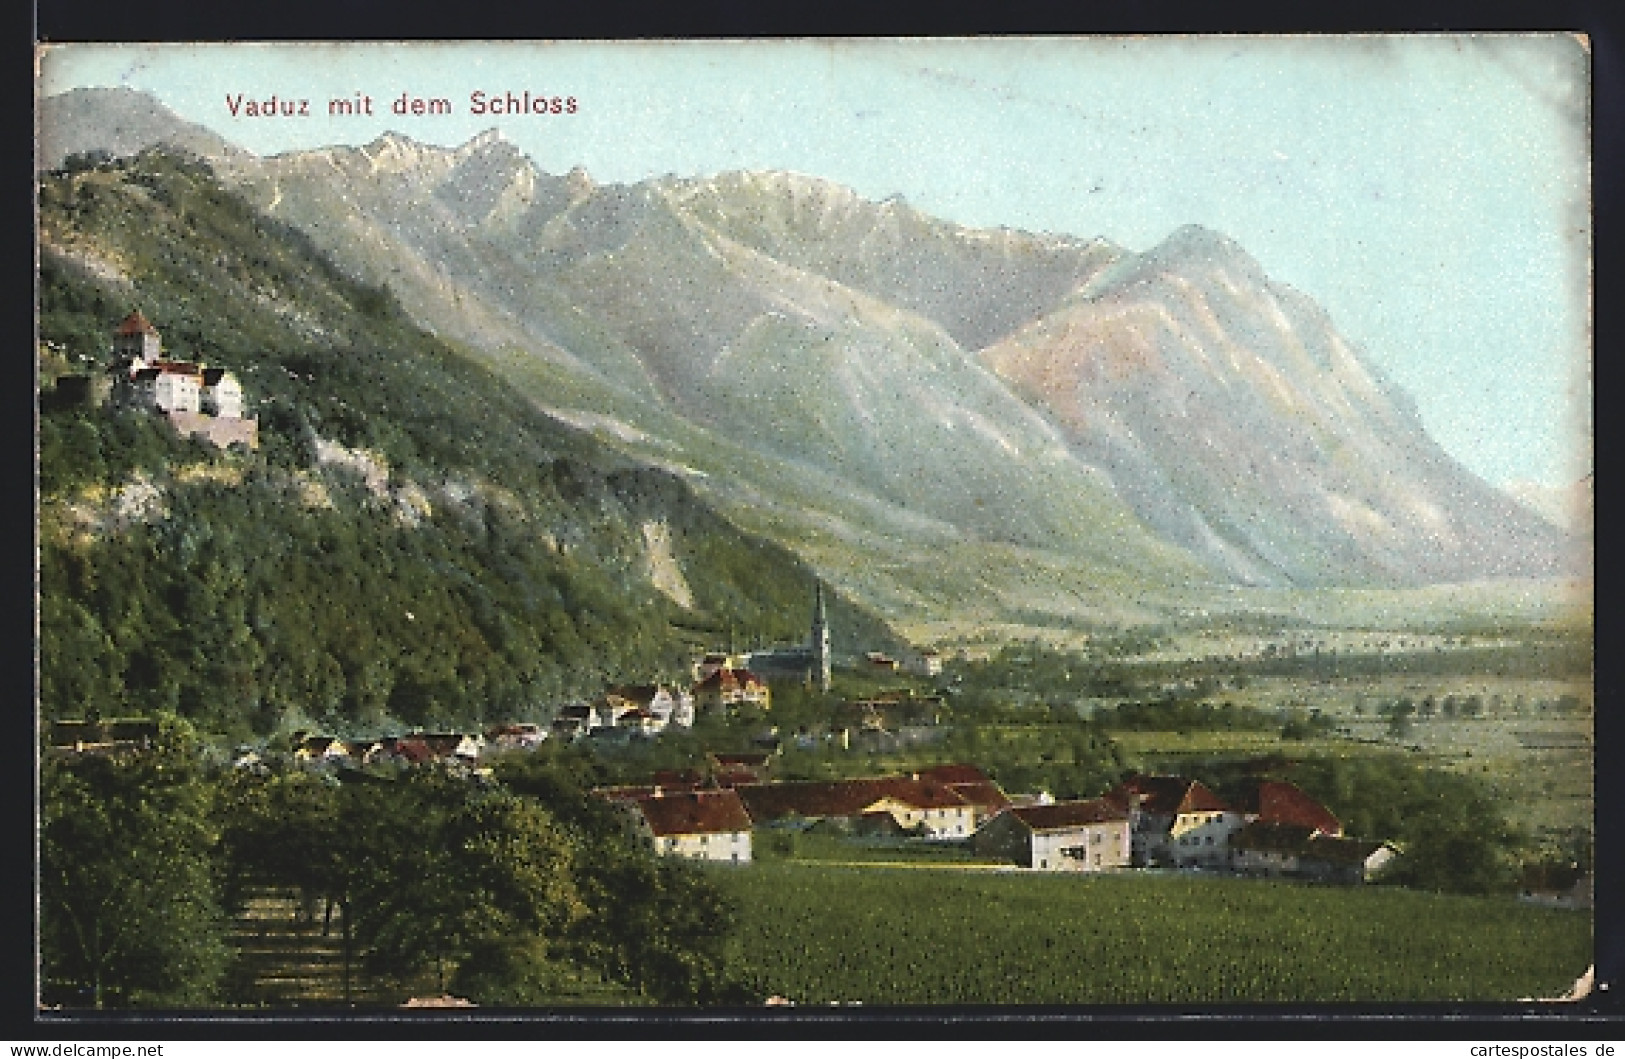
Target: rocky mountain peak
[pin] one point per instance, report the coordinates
(119, 121)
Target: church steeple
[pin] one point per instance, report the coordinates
(820, 637)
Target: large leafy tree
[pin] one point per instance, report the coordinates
(449, 870)
(128, 912)
(656, 924)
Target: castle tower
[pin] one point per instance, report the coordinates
(820, 638)
(135, 339)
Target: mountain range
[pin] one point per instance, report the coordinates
(990, 424)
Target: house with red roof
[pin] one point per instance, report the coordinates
(985, 797)
(1176, 822)
(698, 825)
(1085, 836)
(1300, 851)
(518, 735)
(726, 688)
(325, 749)
(1279, 802)
(648, 707)
(679, 779)
(917, 806)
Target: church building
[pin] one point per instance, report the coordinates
(810, 663)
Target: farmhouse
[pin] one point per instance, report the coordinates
(324, 749)
(727, 688)
(1176, 822)
(973, 786)
(698, 825)
(1066, 836)
(1298, 851)
(649, 707)
(922, 806)
(516, 736)
(1273, 801)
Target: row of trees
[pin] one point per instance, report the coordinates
(497, 889)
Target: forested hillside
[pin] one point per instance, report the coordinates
(413, 542)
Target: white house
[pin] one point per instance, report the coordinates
(649, 707)
(927, 663)
(726, 688)
(1086, 836)
(1298, 851)
(934, 810)
(1177, 822)
(697, 825)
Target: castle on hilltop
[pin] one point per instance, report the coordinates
(199, 401)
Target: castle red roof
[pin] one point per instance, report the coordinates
(1063, 815)
(136, 324)
(694, 813)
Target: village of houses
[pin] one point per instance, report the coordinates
(1155, 822)
(711, 813)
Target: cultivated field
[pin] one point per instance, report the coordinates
(819, 934)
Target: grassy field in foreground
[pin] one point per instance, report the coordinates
(820, 933)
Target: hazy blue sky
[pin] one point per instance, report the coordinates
(1431, 192)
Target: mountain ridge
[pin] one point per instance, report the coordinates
(1095, 409)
